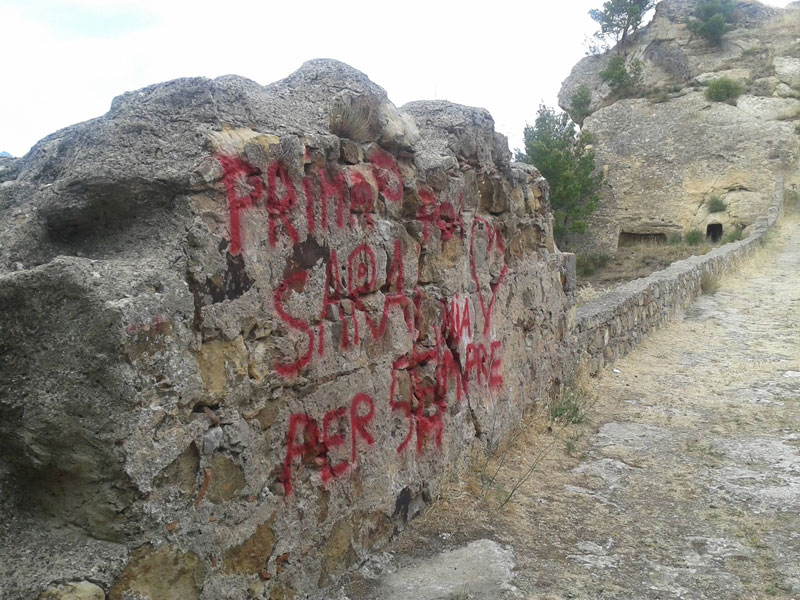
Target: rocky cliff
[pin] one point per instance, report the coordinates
(665, 154)
(247, 332)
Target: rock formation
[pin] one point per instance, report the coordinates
(247, 332)
(667, 154)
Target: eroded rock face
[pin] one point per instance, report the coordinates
(248, 331)
(665, 156)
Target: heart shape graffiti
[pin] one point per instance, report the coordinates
(495, 243)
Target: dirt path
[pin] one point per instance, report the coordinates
(683, 483)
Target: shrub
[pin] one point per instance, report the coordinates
(709, 283)
(733, 236)
(623, 81)
(579, 103)
(694, 237)
(712, 19)
(716, 204)
(724, 89)
(588, 264)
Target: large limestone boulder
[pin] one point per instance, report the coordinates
(666, 153)
(664, 161)
(247, 331)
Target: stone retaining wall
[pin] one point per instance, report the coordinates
(613, 324)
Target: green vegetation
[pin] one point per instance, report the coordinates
(712, 19)
(588, 264)
(734, 236)
(623, 81)
(675, 239)
(724, 89)
(566, 160)
(694, 237)
(716, 204)
(569, 407)
(792, 200)
(579, 103)
(618, 19)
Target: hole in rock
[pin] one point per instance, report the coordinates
(714, 231)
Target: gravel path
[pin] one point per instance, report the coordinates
(684, 483)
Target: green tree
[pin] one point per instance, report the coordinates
(623, 81)
(712, 19)
(566, 160)
(579, 104)
(619, 18)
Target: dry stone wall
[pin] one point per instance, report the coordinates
(613, 324)
(249, 331)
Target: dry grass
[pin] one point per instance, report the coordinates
(639, 260)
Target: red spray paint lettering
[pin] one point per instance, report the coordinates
(245, 188)
(495, 243)
(315, 449)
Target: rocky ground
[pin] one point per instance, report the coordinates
(683, 481)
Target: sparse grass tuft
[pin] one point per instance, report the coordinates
(694, 237)
(792, 200)
(716, 204)
(569, 407)
(733, 236)
(709, 283)
(588, 264)
(675, 239)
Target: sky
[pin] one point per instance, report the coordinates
(67, 59)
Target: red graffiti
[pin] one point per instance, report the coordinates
(244, 188)
(361, 200)
(361, 271)
(279, 204)
(496, 243)
(359, 422)
(296, 279)
(390, 183)
(441, 215)
(315, 449)
(457, 326)
(298, 423)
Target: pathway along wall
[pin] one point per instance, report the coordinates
(247, 332)
(613, 324)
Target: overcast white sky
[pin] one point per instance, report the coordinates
(66, 59)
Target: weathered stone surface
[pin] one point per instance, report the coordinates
(81, 590)
(165, 572)
(249, 331)
(663, 160)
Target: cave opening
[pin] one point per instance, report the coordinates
(714, 231)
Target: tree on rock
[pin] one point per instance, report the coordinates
(619, 18)
(566, 160)
(712, 19)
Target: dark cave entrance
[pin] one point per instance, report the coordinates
(714, 231)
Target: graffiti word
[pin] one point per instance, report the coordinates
(361, 277)
(352, 191)
(314, 446)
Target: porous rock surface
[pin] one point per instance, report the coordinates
(665, 155)
(247, 332)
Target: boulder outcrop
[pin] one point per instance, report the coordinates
(247, 331)
(665, 154)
